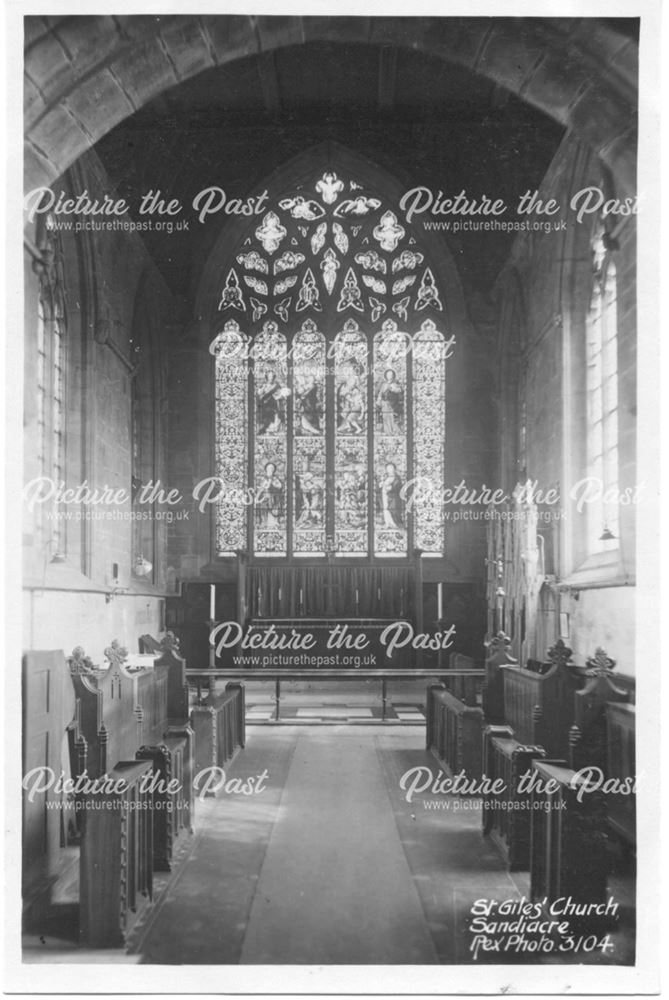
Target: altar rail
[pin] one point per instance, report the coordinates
(324, 674)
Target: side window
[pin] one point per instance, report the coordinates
(602, 398)
(50, 381)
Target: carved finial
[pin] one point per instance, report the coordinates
(79, 662)
(599, 665)
(116, 654)
(170, 641)
(498, 641)
(559, 654)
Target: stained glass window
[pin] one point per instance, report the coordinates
(338, 400)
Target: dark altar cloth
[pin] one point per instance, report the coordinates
(329, 591)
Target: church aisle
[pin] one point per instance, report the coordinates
(310, 871)
(330, 864)
(335, 886)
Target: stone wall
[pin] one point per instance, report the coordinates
(543, 297)
(115, 312)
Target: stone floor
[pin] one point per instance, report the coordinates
(330, 864)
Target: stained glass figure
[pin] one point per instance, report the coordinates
(350, 350)
(309, 447)
(271, 392)
(391, 347)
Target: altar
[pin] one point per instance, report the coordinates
(328, 591)
(337, 616)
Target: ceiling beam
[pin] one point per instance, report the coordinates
(387, 77)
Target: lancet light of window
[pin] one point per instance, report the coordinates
(270, 378)
(230, 350)
(351, 441)
(602, 401)
(429, 426)
(391, 348)
(335, 296)
(309, 427)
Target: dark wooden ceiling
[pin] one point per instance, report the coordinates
(422, 119)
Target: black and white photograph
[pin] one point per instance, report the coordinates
(332, 516)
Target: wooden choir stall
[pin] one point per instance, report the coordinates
(553, 735)
(131, 755)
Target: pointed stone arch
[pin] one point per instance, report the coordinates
(579, 71)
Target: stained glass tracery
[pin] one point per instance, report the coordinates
(331, 238)
(336, 407)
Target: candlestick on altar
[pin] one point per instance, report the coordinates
(212, 602)
(440, 601)
(212, 649)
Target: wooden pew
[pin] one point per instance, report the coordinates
(454, 714)
(506, 817)
(116, 872)
(567, 716)
(621, 764)
(539, 707)
(492, 695)
(537, 710)
(47, 706)
(219, 726)
(454, 719)
(588, 737)
(568, 847)
(453, 731)
(134, 720)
